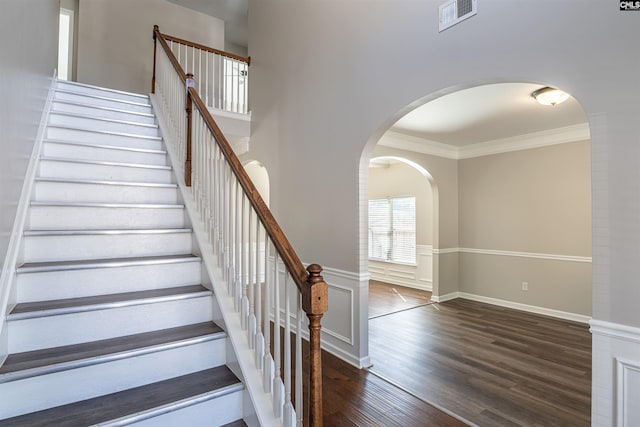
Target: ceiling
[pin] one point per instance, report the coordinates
(487, 113)
(233, 12)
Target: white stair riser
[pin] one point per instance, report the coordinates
(97, 124)
(44, 286)
(69, 248)
(103, 193)
(96, 91)
(74, 97)
(61, 169)
(78, 135)
(73, 218)
(215, 412)
(88, 110)
(80, 152)
(60, 388)
(75, 328)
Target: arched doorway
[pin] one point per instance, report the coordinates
(514, 213)
(402, 232)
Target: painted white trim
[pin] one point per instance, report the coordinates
(445, 251)
(445, 297)
(545, 138)
(553, 257)
(526, 307)
(624, 368)
(616, 349)
(402, 141)
(615, 330)
(348, 340)
(395, 139)
(8, 274)
(343, 274)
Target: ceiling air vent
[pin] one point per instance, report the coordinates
(455, 11)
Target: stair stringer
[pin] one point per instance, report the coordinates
(12, 259)
(260, 412)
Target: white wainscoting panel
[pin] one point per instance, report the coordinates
(628, 392)
(419, 276)
(616, 375)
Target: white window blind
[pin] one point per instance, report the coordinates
(392, 230)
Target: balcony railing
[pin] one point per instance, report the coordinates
(222, 78)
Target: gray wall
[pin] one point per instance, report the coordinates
(532, 201)
(115, 44)
(328, 78)
(29, 52)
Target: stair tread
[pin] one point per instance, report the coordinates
(128, 402)
(106, 146)
(106, 132)
(29, 307)
(105, 163)
(111, 231)
(100, 107)
(107, 182)
(239, 423)
(144, 103)
(102, 88)
(106, 262)
(49, 356)
(108, 205)
(103, 119)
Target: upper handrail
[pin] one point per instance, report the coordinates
(246, 59)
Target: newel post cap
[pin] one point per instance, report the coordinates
(315, 298)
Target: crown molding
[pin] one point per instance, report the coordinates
(401, 141)
(528, 141)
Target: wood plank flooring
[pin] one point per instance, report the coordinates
(491, 365)
(385, 298)
(355, 397)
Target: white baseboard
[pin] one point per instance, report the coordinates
(445, 297)
(515, 305)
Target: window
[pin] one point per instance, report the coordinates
(392, 230)
(65, 44)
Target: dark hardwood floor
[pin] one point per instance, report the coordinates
(385, 298)
(491, 365)
(355, 397)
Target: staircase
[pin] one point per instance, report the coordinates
(113, 325)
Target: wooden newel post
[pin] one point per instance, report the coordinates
(190, 82)
(153, 79)
(315, 303)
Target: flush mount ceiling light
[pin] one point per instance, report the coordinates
(550, 96)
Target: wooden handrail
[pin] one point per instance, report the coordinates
(246, 59)
(287, 253)
(310, 283)
(157, 35)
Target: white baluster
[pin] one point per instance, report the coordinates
(278, 386)
(251, 286)
(267, 368)
(298, 395)
(237, 214)
(259, 319)
(288, 417)
(245, 299)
